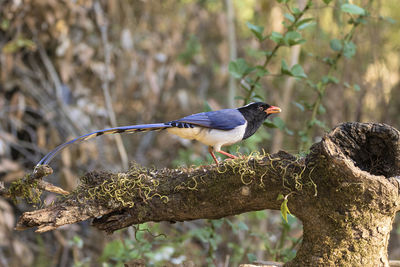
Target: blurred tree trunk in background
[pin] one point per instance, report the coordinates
(230, 17)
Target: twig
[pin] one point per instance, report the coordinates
(103, 26)
(39, 173)
(46, 186)
(46, 100)
(52, 71)
(58, 87)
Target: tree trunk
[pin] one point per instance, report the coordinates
(345, 191)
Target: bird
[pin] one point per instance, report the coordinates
(214, 128)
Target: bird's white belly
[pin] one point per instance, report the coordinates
(211, 137)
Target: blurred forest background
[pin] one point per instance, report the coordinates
(71, 67)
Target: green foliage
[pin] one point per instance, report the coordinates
(188, 157)
(352, 9)
(276, 37)
(295, 22)
(4, 24)
(253, 144)
(299, 106)
(18, 43)
(239, 68)
(192, 48)
(249, 74)
(76, 241)
(251, 257)
(349, 49)
(292, 38)
(388, 19)
(342, 47)
(297, 71)
(336, 45)
(284, 208)
(305, 23)
(280, 124)
(155, 250)
(115, 250)
(257, 31)
(329, 79)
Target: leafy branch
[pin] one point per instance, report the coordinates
(344, 47)
(240, 69)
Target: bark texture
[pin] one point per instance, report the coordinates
(345, 191)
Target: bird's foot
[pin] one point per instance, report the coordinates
(210, 150)
(227, 154)
(230, 156)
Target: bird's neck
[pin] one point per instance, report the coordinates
(253, 119)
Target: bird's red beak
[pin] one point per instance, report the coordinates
(272, 109)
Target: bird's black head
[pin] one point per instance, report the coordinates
(255, 114)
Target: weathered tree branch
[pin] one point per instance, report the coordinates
(346, 193)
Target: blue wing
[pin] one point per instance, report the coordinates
(224, 119)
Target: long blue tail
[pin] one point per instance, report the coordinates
(124, 129)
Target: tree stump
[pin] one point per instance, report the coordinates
(345, 191)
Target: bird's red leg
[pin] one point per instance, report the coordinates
(210, 149)
(227, 154)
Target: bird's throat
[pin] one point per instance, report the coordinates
(254, 120)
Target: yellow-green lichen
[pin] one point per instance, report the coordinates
(241, 166)
(121, 190)
(291, 169)
(26, 189)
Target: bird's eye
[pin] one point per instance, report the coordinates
(261, 108)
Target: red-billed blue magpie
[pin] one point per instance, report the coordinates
(215, 128)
